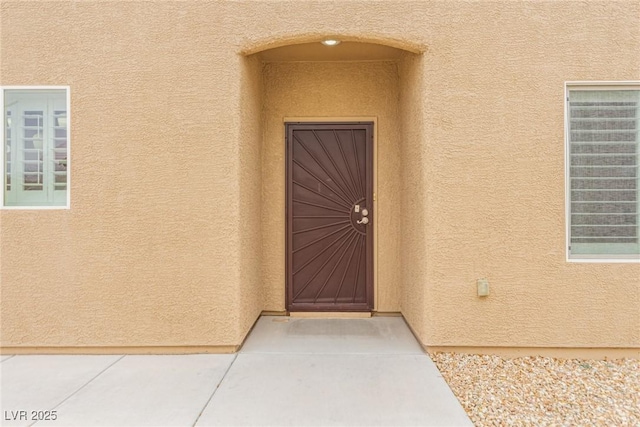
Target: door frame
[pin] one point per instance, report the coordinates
(371, 160)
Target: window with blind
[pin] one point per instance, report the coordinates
(35, 161)
(603, 172)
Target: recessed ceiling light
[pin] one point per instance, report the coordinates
(330, 42)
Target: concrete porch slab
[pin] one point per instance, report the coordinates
(376, 335)
(147, 391)
(333, 390)
(5, 357)
(40, 383)
(290, 372)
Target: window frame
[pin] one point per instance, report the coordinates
(67, 90)
(586, 86)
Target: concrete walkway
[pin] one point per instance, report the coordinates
(290, 372)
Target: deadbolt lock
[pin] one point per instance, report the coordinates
(365, 212)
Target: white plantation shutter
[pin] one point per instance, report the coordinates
(35, 158)
(604, 174)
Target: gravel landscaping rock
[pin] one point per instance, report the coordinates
(544, 391)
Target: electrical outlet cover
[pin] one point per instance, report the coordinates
(483, 288)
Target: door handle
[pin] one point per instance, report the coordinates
(363, 221)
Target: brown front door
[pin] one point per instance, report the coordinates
(330, 216)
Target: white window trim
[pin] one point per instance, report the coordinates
(586, 85)
(69, 158)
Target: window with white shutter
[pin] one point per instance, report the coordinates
(36, 147)
(603, 154)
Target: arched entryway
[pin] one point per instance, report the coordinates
(354, 82)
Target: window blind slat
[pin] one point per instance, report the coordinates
(603, 172)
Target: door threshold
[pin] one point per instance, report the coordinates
(331, 314)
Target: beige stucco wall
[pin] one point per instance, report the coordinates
(151, 252)
(167, 239)
(483, 153)
(339, 91)
(413, 234)
(250, 285)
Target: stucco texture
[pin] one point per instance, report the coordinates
(489, 169)
(329, 91)
(175, 235)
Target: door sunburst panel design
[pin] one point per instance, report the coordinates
(329, 199)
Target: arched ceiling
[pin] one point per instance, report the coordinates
(345, 51)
